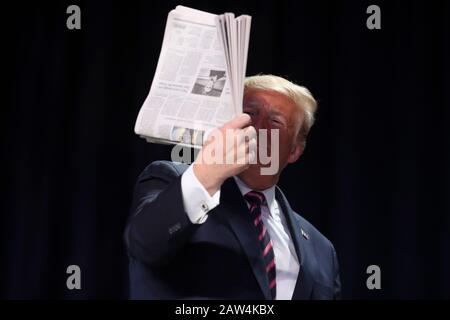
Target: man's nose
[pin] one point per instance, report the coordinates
(259, 122)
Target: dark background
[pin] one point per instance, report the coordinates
(375, 176)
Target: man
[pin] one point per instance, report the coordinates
(209, 85)
(216, 230)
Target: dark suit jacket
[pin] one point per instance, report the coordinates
(171, 258)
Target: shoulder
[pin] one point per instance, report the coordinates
(307, 228)
(313, 233)
(163, 169)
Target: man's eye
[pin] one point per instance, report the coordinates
(250, 113)
(277, 121)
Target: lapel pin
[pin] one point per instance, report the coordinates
(304, 234)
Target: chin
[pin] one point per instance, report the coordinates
(253, 179)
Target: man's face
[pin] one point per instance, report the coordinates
(210, 83)
(272, 110)
(209, 86)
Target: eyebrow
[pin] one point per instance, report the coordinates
(276, 112)
(256, 104)
(252, 104)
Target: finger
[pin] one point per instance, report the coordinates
(247, 155)
(241, 121)
(208, 137)
(250, 132)
(246, 134)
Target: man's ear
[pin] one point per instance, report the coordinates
(296, 152)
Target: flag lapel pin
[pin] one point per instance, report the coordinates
(304, 234)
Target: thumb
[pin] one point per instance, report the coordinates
(240, 121)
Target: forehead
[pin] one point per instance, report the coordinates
(273, 100)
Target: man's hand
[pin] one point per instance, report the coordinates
(226, 153)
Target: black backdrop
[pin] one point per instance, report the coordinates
(375, 176)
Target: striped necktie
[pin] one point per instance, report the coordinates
(256, 199)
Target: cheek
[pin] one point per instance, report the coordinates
(283, 143)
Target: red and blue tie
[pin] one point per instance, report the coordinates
(256, 199)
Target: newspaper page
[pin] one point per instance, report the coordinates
(190, 93)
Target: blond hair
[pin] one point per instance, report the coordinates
(301, 96)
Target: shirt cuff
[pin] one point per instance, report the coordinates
(197, 201)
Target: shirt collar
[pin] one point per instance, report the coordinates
(269, 193)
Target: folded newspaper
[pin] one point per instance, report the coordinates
(199, 81)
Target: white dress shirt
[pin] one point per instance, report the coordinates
(198, 203)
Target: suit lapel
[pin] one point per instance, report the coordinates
(303, 248)
(240, 221)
